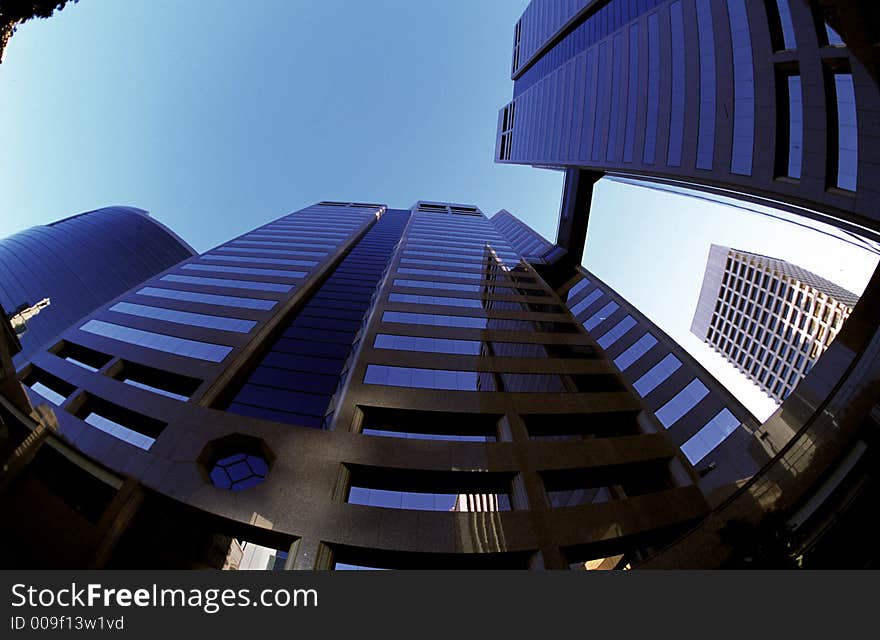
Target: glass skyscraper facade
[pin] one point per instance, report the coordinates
(386, 388)
(762, 99)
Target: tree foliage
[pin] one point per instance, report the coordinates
(15, 12)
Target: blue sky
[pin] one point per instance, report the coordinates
(217, 121)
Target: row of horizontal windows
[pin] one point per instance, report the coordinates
(279, 252)
(245, 270)
(292, 238)
(260, 260)
(466, 262)
(207, 298)
(436, 300)
(597, 318)
(586, 302)
(464, 237)
(314, 223)
(185, 317)
(710, 436)
(229, 283)
(160, 342)
(635, 351)
(297, 235)
(582, 284)
(473, 245)
(421, 501)
(474, 347)
(439, 272)
(456, 380)
(476, 249)
(289, 245)
(616, 332)
(152, 389)
(432, 249)
(467, 268)
(657, 374)
(427, 436)
(435, 319)
(681, 403)
(344, 227)
(119, 431)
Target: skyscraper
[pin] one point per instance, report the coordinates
(79, 263)
(767, 317)
(770, 102)
(354, 385)
(760, 99)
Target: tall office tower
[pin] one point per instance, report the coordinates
(356, 386)
(759, 99)
(80, 263)
(767, 317)
(715, 431)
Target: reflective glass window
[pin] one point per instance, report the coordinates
(577, 288)
(743, 89)
(681, 403)
(207, 298)
(119, 431)
(616, 332)
(587, 301)
(259, 260)
(632, 93)
(158, 341)
(657, 374)
(283, 273)
(676, 114)
(635, 351)
(847, 132)
(229, 283)
(653, 89)
(429, 345)
(710, 436)
(597, 318)
(795, 126)
(184, 317)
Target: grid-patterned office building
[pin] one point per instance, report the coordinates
(767, 317)
(715, 432)
(763, 99)
(357, 386)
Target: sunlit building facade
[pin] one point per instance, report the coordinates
(767, 317)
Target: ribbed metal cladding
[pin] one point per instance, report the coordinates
(762, 99)
(80, 263)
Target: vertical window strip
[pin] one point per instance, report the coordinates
(847, 131)
(632, 93)
(708, 80)
(676, 114)
(743, 89)
(653, 112)
(795, 126)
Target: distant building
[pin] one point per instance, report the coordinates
(769, 318)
